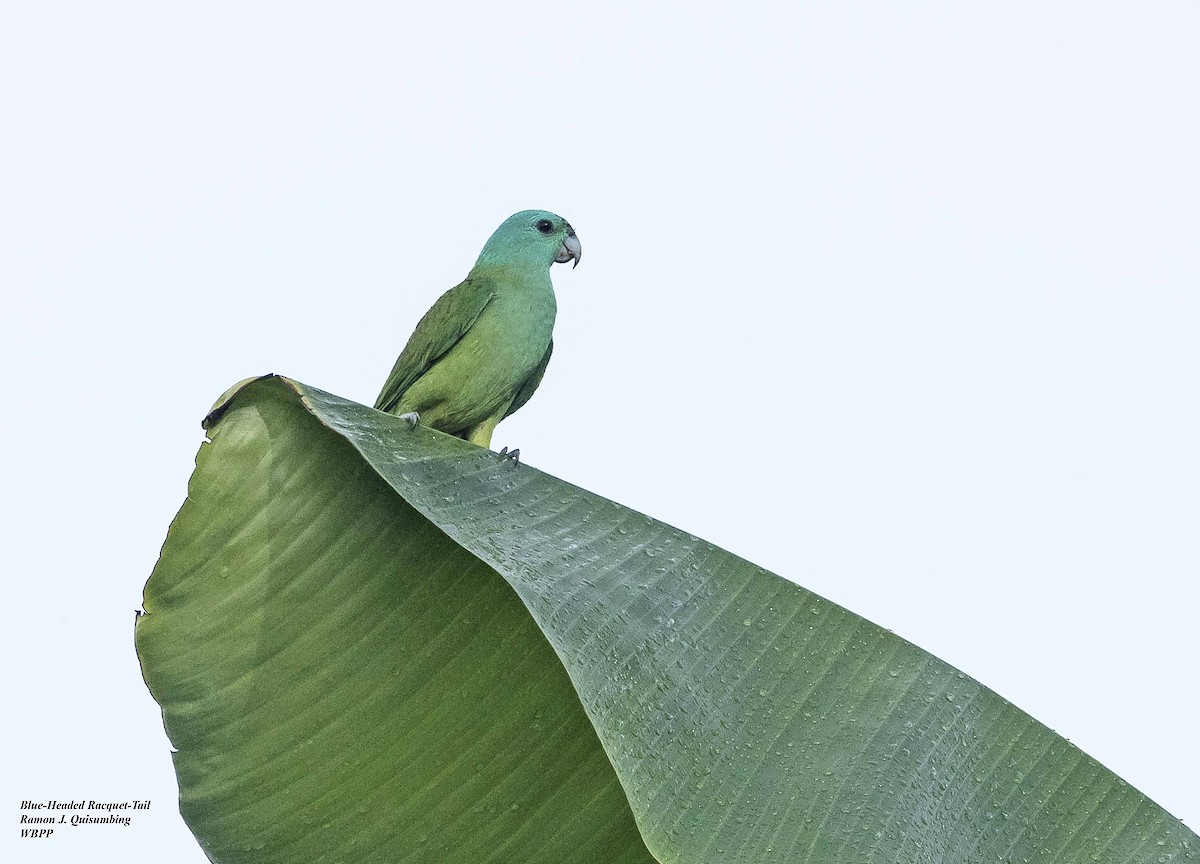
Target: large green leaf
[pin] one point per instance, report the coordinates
(373, 643)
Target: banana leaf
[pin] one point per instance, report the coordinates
(373, 643)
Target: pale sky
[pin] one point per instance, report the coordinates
(900, 303)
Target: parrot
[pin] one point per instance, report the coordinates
(480, 351)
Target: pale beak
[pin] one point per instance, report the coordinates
(570, 249)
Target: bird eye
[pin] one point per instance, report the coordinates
(544, 226)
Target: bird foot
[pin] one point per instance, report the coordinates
(412, 417)
(513, 456)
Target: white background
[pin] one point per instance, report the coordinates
(901, 304)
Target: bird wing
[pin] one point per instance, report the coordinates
(531, 383)
(446, 322)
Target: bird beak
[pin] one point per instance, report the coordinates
(570, 249)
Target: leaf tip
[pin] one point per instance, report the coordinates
(221, 406)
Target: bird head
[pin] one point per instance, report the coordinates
(532, 238)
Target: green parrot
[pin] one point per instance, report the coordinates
(482, 348)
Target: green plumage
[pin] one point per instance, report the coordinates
(481, 350)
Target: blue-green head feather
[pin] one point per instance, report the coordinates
(531, 238)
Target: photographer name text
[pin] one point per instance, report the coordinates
(40, 819)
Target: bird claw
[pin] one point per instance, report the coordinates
(513, 456)
(412, 417)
